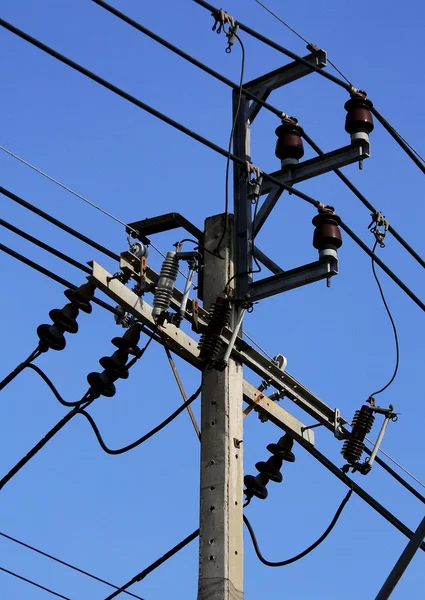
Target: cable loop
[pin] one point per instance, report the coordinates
(379, 227)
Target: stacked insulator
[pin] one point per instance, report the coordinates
(270, 469)
(353, 447)
(115, 366)
(289, 144)
(165, 285)
(359, 120)
(327, 236)
(65, 319)
(210, 342)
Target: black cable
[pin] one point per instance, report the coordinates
(279, 48)
(46, 247)
(56, 222)
(309, 44)
(411, 152)
(257, 100)
(366, 202)
(156, 564)
(51, 275)
(145, 437)
(254, 218)
(66, 564)
(397, 348)
(41, 587)
(383, 266)
(35, 354)
(195, 136)
(288, 561)
(229, 148)
(52, 387)
(85, 401)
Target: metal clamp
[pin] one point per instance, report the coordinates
(380, 222)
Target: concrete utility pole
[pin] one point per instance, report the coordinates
(221, 507)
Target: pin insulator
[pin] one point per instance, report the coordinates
(327, 234)
(359, 120)
(353, 447)
(289, 144)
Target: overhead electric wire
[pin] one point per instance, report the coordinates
(199, 138)
(288, 561)
(41, 587)
(400, 467)
(156, 564)
(64, 563)
(377, 506)
(139, 27)
(145, 437)
(44, 246)
(58, 223)
(309, 44)
(85, 401)
(366, 202)
(397, 348)
(51, 275)
(34, 354)
(391, 130)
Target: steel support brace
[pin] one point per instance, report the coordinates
(289, 280)
(264, 85)
(242, 203)
(319, 165)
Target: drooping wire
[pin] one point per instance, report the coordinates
(156, 564)
(229, 148)
(145, 437)
(58, 397)
(33, 583)
(309, 44)
(289, 561)
(64, 563)
(397, 348)
(34, 354)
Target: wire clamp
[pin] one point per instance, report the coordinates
(255, 179)
(221, 18)
(379, 227)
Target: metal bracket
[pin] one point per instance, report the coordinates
(264, 85)
(319, 165)
(292, 279)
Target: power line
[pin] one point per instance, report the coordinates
(53, 389)
(145, 437)
(399, 466)
(41, 587)
(198, 138)
(156, 564)
(40, 244)
(64, 563)
(309, 44)
(236, 87)
(288, 561)
(398, 138)
(51, 275)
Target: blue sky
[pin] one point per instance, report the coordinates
(115, 515)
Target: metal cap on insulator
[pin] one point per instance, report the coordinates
(256, 486)
(327, 236)
(289, 144)
(128, 342)
(359, 120)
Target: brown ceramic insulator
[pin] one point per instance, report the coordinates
(289, 143)
(327, 233)
(359, 117)
(362, 423)
(210, 342)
